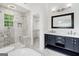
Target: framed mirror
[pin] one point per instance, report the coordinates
(63, 21)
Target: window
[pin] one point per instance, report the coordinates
(8, 20)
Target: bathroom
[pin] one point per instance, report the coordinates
(23, 27)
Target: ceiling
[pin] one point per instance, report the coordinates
(14, 7)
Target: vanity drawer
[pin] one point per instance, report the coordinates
(60, 40)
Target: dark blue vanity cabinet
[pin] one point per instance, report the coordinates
(69, 43)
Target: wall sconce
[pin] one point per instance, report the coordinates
(61, 9)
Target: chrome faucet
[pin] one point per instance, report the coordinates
(72, 33)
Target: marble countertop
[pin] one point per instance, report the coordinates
(59, 34)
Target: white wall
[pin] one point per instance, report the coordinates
(74, 9)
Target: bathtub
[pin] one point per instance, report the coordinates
(24, 52)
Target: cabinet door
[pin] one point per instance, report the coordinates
(49, 39)
(69, 43)
(76, 44)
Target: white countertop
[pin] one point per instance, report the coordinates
(68, 35)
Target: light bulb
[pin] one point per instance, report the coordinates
(69, 5)
(12, 6)
(54, 9)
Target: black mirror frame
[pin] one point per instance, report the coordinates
(72, 21)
